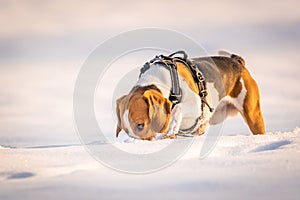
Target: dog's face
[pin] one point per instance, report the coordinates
(143, 113)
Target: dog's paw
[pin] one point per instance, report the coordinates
(202, 128)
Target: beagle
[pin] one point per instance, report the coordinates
(147, 112)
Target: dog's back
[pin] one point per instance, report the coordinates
(223, 72)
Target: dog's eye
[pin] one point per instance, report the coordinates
(140, 127)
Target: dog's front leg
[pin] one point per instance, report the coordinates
(174, 124)
(175, 121)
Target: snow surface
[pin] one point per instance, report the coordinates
(240, 167)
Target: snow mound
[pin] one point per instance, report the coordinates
(2, 147)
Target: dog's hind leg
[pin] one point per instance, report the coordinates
(224, 109)
(251, 105)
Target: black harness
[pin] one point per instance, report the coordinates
(169, 62)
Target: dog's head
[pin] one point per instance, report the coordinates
(143, 113)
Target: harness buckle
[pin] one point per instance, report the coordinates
(175, 98)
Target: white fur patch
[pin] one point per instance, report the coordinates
(175, 121)
(127, 125)
(238, 102)
(158, 76)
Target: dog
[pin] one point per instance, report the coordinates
(147, 112)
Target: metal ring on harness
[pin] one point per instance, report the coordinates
(179, 52)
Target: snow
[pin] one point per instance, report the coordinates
(239, 167)
(41, 155)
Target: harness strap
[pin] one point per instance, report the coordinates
(175, 93)
(200, 80)
(179, 52)
(197, 76)
(191, 130)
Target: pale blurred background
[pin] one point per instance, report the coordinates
(44, 43)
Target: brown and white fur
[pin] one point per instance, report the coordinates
(147, 111)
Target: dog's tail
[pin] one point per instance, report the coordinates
(237, 58)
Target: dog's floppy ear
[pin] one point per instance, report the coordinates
(159, 110)
(120, 108)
